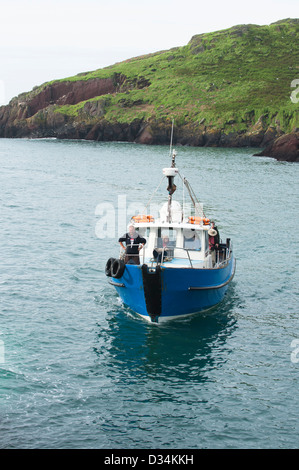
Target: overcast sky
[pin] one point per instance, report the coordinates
(45, 40)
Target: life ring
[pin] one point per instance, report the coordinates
(117, 269)
(143, 218)
(198, 220)
(109, 266)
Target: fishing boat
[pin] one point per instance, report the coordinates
(177, 271)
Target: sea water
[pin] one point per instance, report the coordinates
(78, 369)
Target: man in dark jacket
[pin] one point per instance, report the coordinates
(214, 239)
(217, 237)
(134, 243)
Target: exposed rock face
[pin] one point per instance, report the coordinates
(14, 118)
(200, 135)
(35, 115)
(285, 148)
(70, 93)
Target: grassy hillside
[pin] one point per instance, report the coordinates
(226, 79)
(226, 88)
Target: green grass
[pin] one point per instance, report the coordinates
(229, 78)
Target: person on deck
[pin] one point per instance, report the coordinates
(134, 243)
(213, 241)
(217, 236)
(212, 236)
(158, 252)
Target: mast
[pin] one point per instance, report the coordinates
(170, 173)
(171, 138)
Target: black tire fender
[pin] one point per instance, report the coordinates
(117, 269)
(108, 267)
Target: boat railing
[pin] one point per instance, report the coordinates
(183, 251)
(223, 254)
(138, 257)
(221, 258)
(166, 255)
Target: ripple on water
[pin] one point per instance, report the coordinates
(81, 369)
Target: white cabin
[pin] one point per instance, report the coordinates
(187, 244)
(181, 242)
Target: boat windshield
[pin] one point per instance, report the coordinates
(166, 237)
(143, 232)
(192, 240)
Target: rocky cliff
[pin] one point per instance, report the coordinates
(285, 148)
(230, 88)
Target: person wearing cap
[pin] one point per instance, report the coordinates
(134, 243)
(217, 236)
(213, 241)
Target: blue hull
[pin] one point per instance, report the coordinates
(178, 292)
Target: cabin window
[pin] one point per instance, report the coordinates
(143, 232)
(166, 237)
(192, 240)
(165, 243)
